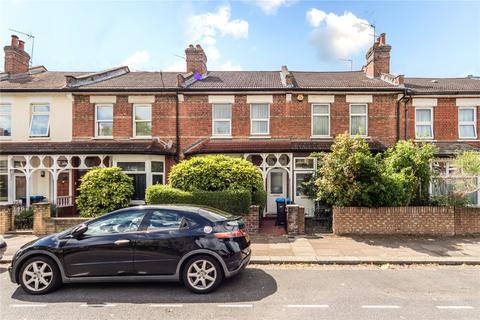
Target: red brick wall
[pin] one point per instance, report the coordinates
(467, 221)
(394, 220)
(122, 118)
(252, 220)
(83, 118)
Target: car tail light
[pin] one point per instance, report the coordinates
(230, 234)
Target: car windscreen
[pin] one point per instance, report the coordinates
(213, 214)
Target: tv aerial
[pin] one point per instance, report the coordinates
(30, 37)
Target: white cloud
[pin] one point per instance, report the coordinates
(138, 60)
(206, 27)
(338, 36)
(228, 66)
(179, 65)
(270, 7)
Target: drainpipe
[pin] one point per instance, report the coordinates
(405, 97)
(177, 128)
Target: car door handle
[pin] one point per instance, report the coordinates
(122, 242)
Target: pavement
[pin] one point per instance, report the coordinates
(331, 249)
(280, 292)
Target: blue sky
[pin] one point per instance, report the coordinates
(432, 38)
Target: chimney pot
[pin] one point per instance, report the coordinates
(21, 45)
(378, 58)
(14, 42)
(196, 59)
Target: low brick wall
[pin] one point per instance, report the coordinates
(394, 220)
(467, 220)
(252, 220)
(6, 218)
(43, 223)
(295, 219)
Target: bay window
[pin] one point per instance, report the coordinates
(467, 123)
(222, 120)
(40, 121)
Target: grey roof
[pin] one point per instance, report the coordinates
(440, 85)
(240, 80)
(349, 79)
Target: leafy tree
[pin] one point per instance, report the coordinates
(103, 190)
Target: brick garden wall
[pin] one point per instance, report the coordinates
(445, 221)
(252, 220)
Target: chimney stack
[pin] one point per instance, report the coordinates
(378, 58)
(16, 59)
(196, 59)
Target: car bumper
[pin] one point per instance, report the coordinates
(242, 266)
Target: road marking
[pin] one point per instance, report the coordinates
(166, 305)
(380, 307)
(28, 305)
(307, 306)
(454, 307)
(235, 305)
(93, 305)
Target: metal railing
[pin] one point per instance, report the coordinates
(64, 201)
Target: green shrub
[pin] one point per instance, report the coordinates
(24, 220)
(216, 173)
(103, 190)
(233, 201)
(259, 198)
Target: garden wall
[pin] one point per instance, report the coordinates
(444, 221)
(43, 223)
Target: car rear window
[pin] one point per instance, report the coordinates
(213, 214)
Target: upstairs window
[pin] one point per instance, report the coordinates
(423, 123)
(143, 120)
(467, 123)
(222, 120)
(358, 120)
(40, 121)
(320, 120)
(104, 120)
(260, 123)
(5, 120)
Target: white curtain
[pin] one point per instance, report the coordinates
(320, 125)
(260, 111)
(222, 111)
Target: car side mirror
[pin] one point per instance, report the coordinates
(79, 230)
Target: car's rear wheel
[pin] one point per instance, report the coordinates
(202, 274)
(39, 275)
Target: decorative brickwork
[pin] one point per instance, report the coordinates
(6, 218)
(406, 220)
(252, 220)
(295, 219)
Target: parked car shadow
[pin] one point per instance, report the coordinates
(251, 285)
(2, 270)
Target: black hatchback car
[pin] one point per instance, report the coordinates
(195, 245)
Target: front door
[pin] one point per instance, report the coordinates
(106, 248)
(300, 197)
(276, 188)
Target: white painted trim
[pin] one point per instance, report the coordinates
(424, 124)
(227, 135)
(221, 99)
(259, 98)
(468, 102)
(141, 99)
(103, 99)
(357, 98)
(312, 115)
(181, 97)
(424, 102)
(39, 100)
(7, 99)
(314, 98)
(468, 123)
(350, 119)
(288, 97)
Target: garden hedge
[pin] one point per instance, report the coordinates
(233, 201)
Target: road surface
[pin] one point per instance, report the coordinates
(267, 292)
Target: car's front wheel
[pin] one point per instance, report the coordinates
(202, 274)
(39, 275)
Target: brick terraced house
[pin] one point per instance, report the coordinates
(57, 125)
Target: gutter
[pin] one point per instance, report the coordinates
(399, 101)
(406, 112)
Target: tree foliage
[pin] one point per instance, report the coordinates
(103, 190)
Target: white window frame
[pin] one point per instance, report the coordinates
(157, 173)
(320, 115)
(8, 186)
(263, 134)
(226, 135)
(366, 119)
(98, 121)
(429, 123)
(9, 115)
(303, 169)
(135, 120)
(35, 113)
(468, 123)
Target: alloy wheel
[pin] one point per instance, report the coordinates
(37, 275)
(201, 274)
